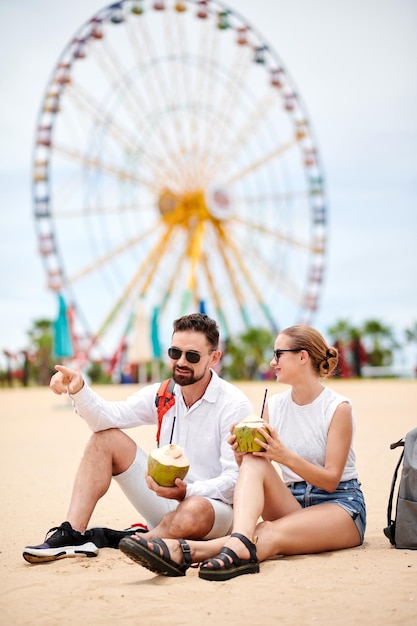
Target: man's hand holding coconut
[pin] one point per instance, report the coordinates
(167, 467)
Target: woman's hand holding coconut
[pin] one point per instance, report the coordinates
(249, 435)
(273, 447)
(256, 436)
(233, 443)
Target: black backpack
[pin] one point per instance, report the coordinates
(402, 532)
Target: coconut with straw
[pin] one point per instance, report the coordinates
(247, 431)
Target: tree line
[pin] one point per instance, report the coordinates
(245, 357)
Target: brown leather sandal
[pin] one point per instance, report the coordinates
(154, 555)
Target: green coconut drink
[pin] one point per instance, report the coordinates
(246, 432)
(167, 463)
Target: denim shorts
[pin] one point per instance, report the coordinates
(348, 495)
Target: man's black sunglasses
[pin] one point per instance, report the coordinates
(190, 355)
(277, 353)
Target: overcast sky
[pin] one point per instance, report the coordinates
(355, 66)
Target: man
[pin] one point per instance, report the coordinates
(200, 507)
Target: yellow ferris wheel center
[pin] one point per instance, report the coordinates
(184, 209)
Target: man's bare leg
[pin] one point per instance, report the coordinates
(193, 519)
(108, 453)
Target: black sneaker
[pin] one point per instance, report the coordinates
(109, 538)
(60, 542)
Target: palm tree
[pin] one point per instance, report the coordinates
(346, 338)
(382, 342)
(41, 339)
(245, 355)
(342, 331)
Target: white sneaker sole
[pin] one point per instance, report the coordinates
(42, 555)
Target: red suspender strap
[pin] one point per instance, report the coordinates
(164, 400)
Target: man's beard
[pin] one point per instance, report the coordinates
(184, 380)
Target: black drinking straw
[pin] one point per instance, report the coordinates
(263, 404)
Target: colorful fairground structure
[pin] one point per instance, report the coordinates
(174, 164)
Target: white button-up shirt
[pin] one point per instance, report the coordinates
(202, 430)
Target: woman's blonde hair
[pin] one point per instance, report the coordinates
(324, 358)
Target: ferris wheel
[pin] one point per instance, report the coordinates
(174, 165)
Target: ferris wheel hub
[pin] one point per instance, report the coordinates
(195, 206)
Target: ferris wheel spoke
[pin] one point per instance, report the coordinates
(166, 90)
(133, 285)
(64, 192)
(226, 106)
(194, 83)
(156, 85)
(221, 315)
(175, 271)
(138, 108)
(115, 310)
(288, 282)
(191, 257)
(71, 213)
(86, 103)
(234, 283)
(272, 274)
(205, 87)
(144, 51)
(243, 135)
(255, 165)
(109, 64)
(156, 257)
(159, 257)
(126, 139)
(268, 198)
(293, 291)
(246, 274)
(97, 164)
(180, 92)
(274, 234)
(194, 252)
(110, 256)
(135, 103)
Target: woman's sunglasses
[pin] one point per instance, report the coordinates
(277, 353)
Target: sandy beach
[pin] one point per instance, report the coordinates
(41, 445)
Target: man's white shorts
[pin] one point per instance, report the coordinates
(153, 507)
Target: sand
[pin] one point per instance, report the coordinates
(41, 445)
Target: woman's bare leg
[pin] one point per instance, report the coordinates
(259, 492)
(319, 528)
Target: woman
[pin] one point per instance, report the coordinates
(316, 506)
